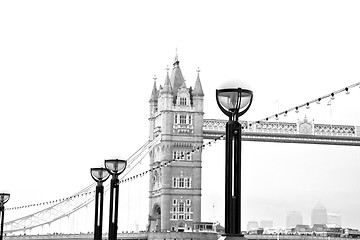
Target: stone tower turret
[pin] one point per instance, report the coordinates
(175, 190)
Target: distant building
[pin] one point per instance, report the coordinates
(319, 214)
(302, 229)
(319, 228)
(293, 218)
(252, 225)
(266, 224)
(334, 218)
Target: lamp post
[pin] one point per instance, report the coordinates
(115, 167)
(100, 175)
(4, 197)
(233, 102)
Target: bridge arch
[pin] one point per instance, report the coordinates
(157, 216)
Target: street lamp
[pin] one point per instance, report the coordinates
(115, 167)
(233, 102)
(4, 197)
(100, 175)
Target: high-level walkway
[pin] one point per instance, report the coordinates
(301, 132)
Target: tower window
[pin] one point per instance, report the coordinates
(189, 120)
(180, 210)
(182, 119)
(182, 101)
(181, 155)
(174, 183)
(176, 121)
(181, 183)
(188, 202)
(181, 207)
(188, 182)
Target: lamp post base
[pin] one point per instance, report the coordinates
(233, 237)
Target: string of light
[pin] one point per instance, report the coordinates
(120, 182)
(307, 104)
(50, 202)
(189, 153)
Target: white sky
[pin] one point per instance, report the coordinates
(76, 77)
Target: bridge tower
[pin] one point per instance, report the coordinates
(176, 113)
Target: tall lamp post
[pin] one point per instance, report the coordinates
(233, 102)
(4, 197)
(115, 167)
(100, 175)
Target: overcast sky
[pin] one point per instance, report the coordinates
(76, 77)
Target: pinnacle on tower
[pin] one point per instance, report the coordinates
(167, 85)
(198, 91)
(154, 93)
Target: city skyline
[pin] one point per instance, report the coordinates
(77, 77)
(294, 218)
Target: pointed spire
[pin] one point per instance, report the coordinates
(198, 91)
(176, 77)
(167, 85)
(176, 63)
(154, 93)
(176, 55)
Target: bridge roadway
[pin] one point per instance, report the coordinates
(304, 131)
(168, 236)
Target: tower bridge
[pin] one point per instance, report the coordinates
(177, 126)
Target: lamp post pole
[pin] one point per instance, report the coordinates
(98, 211)
(233, 102)
(233, 178)
(114, 200)
(4, 197)
(100, 175)
(2, 210)
(115, 167)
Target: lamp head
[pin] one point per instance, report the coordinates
(4, 197)
(115, 166)
(99, 174)
(234, 102)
